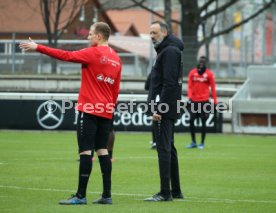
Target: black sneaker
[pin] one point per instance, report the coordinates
(158, 198)
(177, 195)
(103, 201)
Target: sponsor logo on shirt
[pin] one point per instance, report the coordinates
(109, 80)
(101, 77)
(200, 78)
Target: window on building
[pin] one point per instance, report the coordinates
(17, 49)
(2, 48)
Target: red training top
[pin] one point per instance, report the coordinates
(198, 86)
(101, 75)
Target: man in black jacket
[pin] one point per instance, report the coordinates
(164, 92)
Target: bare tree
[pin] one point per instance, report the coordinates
(168, 13)
(57, 15)
(193, 16)
(120, 4)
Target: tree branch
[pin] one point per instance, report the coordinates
(229, 29)
(216, 18)
(63, 5)
(152, 11)
(70, 19)
(122, 8)
(31, 6)
(217, 11)
(168, 14)
(205, 6)
(56, 21)
(44, 7)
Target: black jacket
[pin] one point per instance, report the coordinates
(166, 77)
(147, 83)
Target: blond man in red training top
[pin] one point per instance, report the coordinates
(101, 74)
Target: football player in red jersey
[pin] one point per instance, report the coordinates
(200, 80)
(101, 75)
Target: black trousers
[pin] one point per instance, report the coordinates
(198, 108)
(167, 156)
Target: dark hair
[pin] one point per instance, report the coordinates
(162, 25)
(103, 29)
(203, 59)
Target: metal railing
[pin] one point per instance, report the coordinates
(226, 60)
(14, 61)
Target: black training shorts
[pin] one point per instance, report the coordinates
(200, 109)
(111, 129)
(92, 132)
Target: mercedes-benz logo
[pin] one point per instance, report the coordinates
(49, 115)
(50, 106)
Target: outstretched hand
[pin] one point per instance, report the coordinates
(28, 46)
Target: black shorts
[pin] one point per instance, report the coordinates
(92, 132)
(200, 109)
(111, 129)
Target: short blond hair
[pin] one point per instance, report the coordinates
(103, 29)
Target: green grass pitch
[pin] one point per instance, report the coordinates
(234, 173)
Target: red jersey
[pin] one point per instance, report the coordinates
(199, 86)
(101, 75)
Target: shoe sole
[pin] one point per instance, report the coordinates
(178, 197)
(102, 203)
(109, 202)
(67, 204)
(158, 200)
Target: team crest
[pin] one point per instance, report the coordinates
(103, 60)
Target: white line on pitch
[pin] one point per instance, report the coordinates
(116, 158)
(187, 199)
